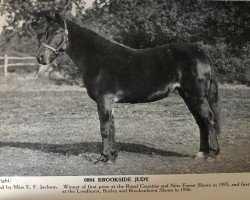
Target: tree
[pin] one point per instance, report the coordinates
(25, 16)
(221, 27)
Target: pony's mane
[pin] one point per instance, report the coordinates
(97, 36)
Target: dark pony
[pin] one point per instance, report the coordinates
(114, 73)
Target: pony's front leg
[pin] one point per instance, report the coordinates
(107, 127)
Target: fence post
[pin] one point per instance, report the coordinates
(5, 65)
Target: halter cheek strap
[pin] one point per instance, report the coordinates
(65, 40)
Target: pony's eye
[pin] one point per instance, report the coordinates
(43, 36)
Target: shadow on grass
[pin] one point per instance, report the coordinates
(90, 147)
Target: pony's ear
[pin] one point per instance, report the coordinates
(59, 19)
(48, 18)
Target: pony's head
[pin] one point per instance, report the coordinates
(53, 40)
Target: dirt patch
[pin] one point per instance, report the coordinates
(54, 130)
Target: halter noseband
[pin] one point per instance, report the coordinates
(65, 39)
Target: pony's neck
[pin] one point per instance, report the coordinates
(84, 44)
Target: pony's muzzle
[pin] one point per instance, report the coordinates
(41, 60)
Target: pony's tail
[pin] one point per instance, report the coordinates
(213, 100)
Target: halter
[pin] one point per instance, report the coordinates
(65, 39)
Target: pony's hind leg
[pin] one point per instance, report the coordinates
(107, 130)
(112, 140)
(204, 116)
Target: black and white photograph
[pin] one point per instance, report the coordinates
(124, 87)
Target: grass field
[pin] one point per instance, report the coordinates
(54, 130)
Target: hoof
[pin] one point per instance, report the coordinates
(113, 156)
(212, 155)
(200, 156)
(103, 158)
(109, 158)
(213, 152)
